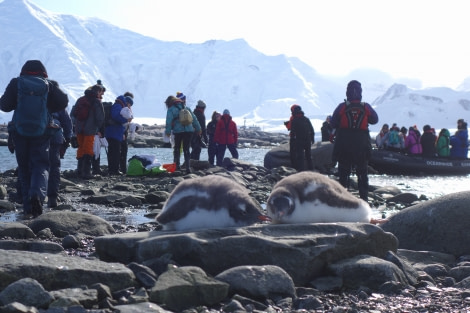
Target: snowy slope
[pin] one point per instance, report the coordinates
(256, 88)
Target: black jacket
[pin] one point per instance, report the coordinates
(302, 129)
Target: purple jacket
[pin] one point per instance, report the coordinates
(412, 143)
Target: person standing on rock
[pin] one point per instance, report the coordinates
(125, 142)
(326, 129)
(59, 144)
(352, 148)
(303, 135)
(212, 146)
(32, 97)
(114, 134)
(226, 136)
(288, 125)
(183, 133)
(87, 116)
(198, 141)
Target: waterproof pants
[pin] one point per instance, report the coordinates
(185, 139)
(221, 152)
(114, 155)
(32, 156)
(54, 171)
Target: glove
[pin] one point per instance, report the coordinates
(73, 141)
(332, 138)
(64, 147)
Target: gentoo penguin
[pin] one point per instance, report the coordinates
(209, 202)
(309, 197)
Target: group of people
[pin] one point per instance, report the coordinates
(218, 135)
(42, 129)
(427, 143)
(40, 137)
(98, 128)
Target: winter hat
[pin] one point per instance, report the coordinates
(426, 128)
(95, 89)
(293, 107)
(129, 100)
(298, 109)
(226, 112)
(98, 82)
(180, 95)
(354, 90)
(201, 104)
(34, 67)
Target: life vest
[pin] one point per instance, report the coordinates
(354, 116)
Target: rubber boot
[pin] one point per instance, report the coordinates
(176, 160)
(78, 171)
(95, 165)
(51, 201)
(86, 168)
(36, 206)
(186, 162)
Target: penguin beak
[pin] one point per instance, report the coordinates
(264, 218)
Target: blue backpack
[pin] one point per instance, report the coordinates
(31, 116)
(393, 138)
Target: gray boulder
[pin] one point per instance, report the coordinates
(26, 291)
(31, 246)
(85, 297)
(366, 270)
(302, 250)
(258, 281)
(438, 225)
(15, 230)
(186, 287)
(63, 223)
(57, 271)
(6, 206)
(321, 156)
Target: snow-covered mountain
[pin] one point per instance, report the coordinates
(438, 107)
(256, 88)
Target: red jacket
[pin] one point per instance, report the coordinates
(226, 131)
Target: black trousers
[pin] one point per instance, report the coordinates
(123, 156)
(114, 155)
(185, 139)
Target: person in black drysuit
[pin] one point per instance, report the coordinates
(326, 130)
(353, 147)
(199, 141)
(303, 137)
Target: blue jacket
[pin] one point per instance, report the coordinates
(172, 121)
(62, 118)
(459, 144)
(116, 131)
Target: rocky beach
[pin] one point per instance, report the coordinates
(71, 260)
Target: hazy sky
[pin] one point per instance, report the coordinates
(424, 39)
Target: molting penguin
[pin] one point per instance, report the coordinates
(309, 197)
(209, 202)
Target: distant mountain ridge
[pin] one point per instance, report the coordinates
(256, 88)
